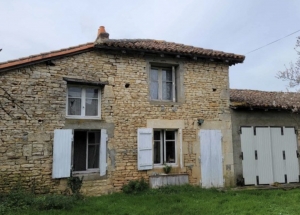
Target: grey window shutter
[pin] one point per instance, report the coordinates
(145, 151)
(103, 146)
(62, 147)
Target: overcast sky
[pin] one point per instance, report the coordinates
(237, 26)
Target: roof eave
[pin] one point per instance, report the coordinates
(229, 60)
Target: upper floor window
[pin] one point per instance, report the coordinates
(162, 86)
(83, 102)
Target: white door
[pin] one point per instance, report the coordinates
(248, 155)
(269, 155)
(263, 155)
(291, 151)
(211, 158)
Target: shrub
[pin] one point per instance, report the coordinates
(54, 201)
(167, 169)
(75, 184)
(135, 186)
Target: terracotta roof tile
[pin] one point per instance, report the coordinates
(44, 56)
(169, 47)
(265, 100)
(127, 44)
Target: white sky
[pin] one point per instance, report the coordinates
(30, 27)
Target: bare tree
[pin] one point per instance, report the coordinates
(292, 72)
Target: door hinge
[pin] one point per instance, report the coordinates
(297, 154)
(242, 155)
(255, 154)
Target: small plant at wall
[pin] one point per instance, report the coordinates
(167, 169)
(135, 186)
(75, 183)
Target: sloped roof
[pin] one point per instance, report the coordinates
(145, 45)
(264, 100)
(162, 46)
(44, 56)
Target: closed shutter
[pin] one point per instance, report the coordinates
(103, 146)
(62, 146)
(145, 154)
(205, 158)
(211, 158)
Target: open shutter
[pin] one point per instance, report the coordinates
(145, 155)
(103, 146)
(62, 147)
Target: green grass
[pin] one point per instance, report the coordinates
(186, 200)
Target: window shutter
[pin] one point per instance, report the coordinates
(145, 154)
(103, 146)
(62, 147)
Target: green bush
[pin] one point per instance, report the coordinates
(75, 183)
(135, 186)
(54, 201)
(19, 199)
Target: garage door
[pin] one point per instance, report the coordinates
(269, 154)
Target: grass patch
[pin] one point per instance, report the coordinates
(185, 200)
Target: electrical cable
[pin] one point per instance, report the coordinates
(272, 42)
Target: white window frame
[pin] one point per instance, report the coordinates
(163, 147)
(159, 68)
(83, 101)
(87, 153)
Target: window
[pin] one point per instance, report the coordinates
(162, 83)
(83, 102)
(164, 147)
(83, 151)
(86, 150)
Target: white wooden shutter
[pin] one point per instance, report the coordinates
(216, 158)
(145, 154)
(62, 147)
(103, 146)
(205, 158)
(211, 158)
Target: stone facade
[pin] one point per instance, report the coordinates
(39, 107)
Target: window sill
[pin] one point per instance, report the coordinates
(89, 175)
(84, 117)
(160, 166)
(162, 102)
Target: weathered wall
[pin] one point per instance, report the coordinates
(26, 140)
(257, 118)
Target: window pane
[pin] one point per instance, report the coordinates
(157, 152)
(154, 90)
(91, 107)
(156, 135)
(93, 156)
(170, 151)
(91, 93)
(166, 75)
(167, 91)
(170, 135)
(94, 137)
(154, 74)
(79, 156)
(74, 92)
(74, 106)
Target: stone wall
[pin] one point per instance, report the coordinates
(39, 107)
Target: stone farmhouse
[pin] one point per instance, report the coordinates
(117, 110)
